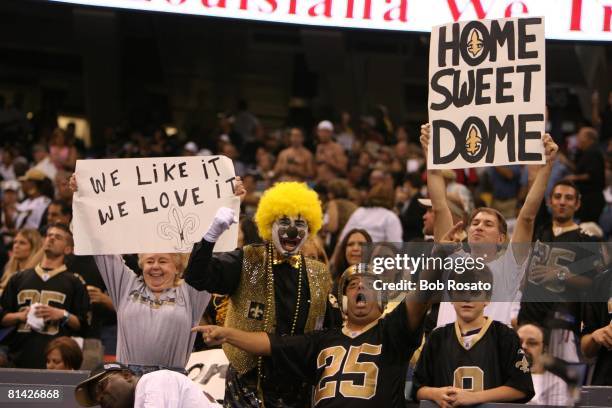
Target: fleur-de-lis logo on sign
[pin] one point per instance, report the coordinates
(179, 227)
(475, 45)
(473, 141)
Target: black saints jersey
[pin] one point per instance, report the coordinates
(490, 358)
(552, 302)
(365, 370)
(57, 288)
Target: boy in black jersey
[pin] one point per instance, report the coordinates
(363, 364)
(475, 359)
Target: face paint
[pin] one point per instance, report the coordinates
(289, 234)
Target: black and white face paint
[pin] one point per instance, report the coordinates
(289, 234)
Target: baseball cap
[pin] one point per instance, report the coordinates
(84, 392)
(325, 125)
(33, 175)
(454, 204)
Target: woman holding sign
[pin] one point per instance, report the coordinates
(154, 310)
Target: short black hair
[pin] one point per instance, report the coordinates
(568, 184)
(414, 179)
(65, 208)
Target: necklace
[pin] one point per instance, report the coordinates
(270, 295)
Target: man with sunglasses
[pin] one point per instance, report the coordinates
(114, 385)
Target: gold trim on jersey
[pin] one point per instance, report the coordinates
(352, 334)
(479, 336)
(248, 304)
(46, 275)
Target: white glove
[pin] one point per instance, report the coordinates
(36, 323)
(224, 218)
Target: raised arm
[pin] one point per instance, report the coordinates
(257, 343)
(216, 274)
(437, 192)
(117, 276)
(418, 301)
(525, 221)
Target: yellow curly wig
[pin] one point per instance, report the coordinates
(288, 198)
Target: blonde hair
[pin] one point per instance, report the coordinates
(179, 259)
(14, 265)
(314, 244)
(288, 198)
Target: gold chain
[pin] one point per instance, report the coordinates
(270, 293)
(299, 297)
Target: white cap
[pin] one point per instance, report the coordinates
(425, 202)
(325, 125)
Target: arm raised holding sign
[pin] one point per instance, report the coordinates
(437, 192)
(484, 227)
(273, 288)
(147, 304)
(525, 221)
(487, 232)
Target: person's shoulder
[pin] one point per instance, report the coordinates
(502, 328)
(502, 332)
(22, 274)
(164, 374)
(441, 332)
(314, 263)
(77, 277)
(338, 146)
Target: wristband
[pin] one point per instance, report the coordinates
(65, 318)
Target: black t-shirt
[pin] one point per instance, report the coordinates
(494, 358)
(596, 316)
(364, 371)
(86, 268)
(546, 303)
(63, 290)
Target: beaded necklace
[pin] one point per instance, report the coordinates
(270, 294)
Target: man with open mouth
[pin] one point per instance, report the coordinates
(362, 365)
(272, 288)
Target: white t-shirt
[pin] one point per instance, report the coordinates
(382, 224)
(507, 278)
(549, 390)
(169, 389)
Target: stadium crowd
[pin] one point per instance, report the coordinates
(62, 311)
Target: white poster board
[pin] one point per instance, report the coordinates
(208, 369)
(151, 205)
(487, 93)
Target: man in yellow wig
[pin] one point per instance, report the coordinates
(272, 288)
